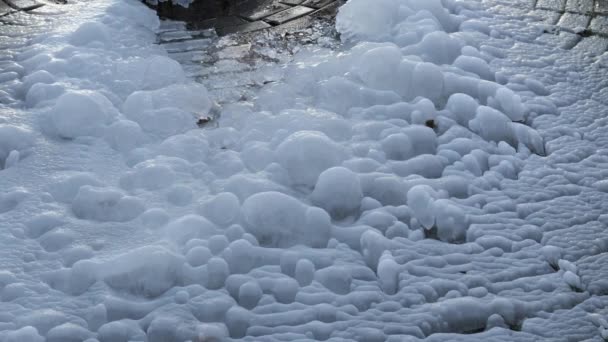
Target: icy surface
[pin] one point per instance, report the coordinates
(441, 176)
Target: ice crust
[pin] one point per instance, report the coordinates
(421, 183)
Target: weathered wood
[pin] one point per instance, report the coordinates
(287, 15)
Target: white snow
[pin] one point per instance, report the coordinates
(440, 176)
(105, 205)
(81, 114)
(305, 154)
(90, 32)
(279, 220)
(338, 191)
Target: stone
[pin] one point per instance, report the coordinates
(287, 15)
(292, 2)
(248, 27)
(317, 3)
(573, 21)
(599, 25)
(554, 5)
(198, 10)
(580, 6)
(219, 23)
(601, 7)
(234, 52)
(264, 12)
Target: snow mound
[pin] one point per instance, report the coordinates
(38, 77)
(338, 191)
(223, 209)
(14, 144)
(104, 204)
(187, 97)
(66, 189)
(78, 114)
(305, 154)
(40, 94)
(90, 32)
(190, 227)
(124, 135)
(133, 13)
(278, 220)
(151, 73)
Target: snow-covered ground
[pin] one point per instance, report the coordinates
(441, 177)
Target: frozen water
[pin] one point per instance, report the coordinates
(105, 205)
(305, 154)
(338, 191)
(14, 141)
(90, 32)
(79, 114)
(279, 220)
(440, 176)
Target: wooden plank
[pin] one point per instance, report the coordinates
(317, 3)
(264, 12)
(289, 14)
(292, 2)
(220, 22)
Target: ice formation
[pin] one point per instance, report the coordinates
(424, 182)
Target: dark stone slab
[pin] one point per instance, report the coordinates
(198, 10)
(264, 12)
(248, 27)
(317, 3)
(554, 5)
(547, 16)
(293, 25)
(206, 9)
(573, 21)
(218, 23)
(289, 14)
(330, 10)
(599, 25)
(292, 2)
(580, 6)
(601, 7)
(242, 16)
(305, 21)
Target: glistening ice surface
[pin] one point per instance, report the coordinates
(442, 176)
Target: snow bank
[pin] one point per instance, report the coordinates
(366, 196)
